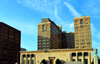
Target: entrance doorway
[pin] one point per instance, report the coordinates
(51, 61)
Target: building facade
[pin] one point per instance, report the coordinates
(68, 40)
(82, 30)
(49, 35)
(51, 56)
(9, 44)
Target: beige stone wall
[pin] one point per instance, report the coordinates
(63, 56)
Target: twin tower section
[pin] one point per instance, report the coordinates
(50, 35)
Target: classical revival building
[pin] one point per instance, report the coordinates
(51, 56)
(51, 40)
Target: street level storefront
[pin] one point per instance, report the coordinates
(55, 56)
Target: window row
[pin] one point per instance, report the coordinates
(44, 40)
(43, 34)
(88, 43)
(82, 40)
(82, 30)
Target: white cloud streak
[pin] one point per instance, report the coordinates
(41, 5)
(94, 31)
(72, 10)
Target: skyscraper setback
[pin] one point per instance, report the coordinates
(9, 44)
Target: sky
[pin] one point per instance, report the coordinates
(25, 15)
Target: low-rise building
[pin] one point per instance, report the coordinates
(56, 55)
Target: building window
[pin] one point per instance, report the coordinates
(77, 46)
(82, 40)
(82, 43)
(77, 43)
(39, 37)
(88, 43)
(48, 45)
(28, 62)
(76, 27)
(87, 29)
(39, 40)
(24, 62)
(79, 54)
(77, 37)
(39, 43)
(48, 39)
(40, 46)
(79, 60)
(88, 36)
(81, 21)
(73, 60)
(39, 31)
(43, 42)
(43, 34)
(88, 46)
(81, 26)
(87, 26)
(43, 45)
(47, 30)
(47, 33)
(86, 61)
(73, 54)
(82, 36)
(48, 42)
(76, 30)
(77, 33)
(39, 34)
(86, 22)
(32, 61)
(76, 24)
(76, 20)
(43, 27)
(85, 53)
(88, 39)
(82, 33)
(77, 40)
(47, 27)
(87, 32)
(82, 30)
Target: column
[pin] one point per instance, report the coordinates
(76, 56)
(26, 59)
(82, 57)
(70, 57)
(89, 58)
(21, 59)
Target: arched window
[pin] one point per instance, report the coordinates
(73, 54)
(28, 55)
(81, 21)
(79, 54)
(58, 61)
(43, 62)
(43, 26)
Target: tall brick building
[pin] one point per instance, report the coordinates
(9, 44)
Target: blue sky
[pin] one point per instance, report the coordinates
(26, 14)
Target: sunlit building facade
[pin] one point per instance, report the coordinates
(49, 35)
